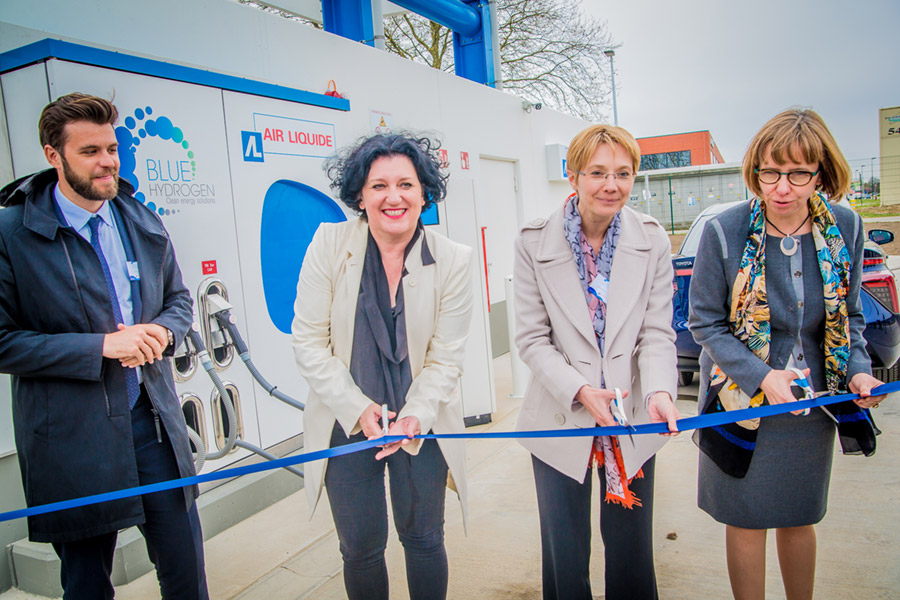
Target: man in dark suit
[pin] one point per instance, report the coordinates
(91, 306)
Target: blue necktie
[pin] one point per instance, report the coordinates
(131, 380)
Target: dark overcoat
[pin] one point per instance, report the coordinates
(70, 408)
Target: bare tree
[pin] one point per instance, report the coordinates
(265, 7)
(550, 52)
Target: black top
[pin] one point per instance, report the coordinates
(379, 362)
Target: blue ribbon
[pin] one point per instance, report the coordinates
(686, 424)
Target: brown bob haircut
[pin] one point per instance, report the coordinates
(68, 109)
(583, 146)
(799, 135)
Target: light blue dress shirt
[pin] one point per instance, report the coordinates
(112, 246)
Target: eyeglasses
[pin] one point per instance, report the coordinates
(770, 176)
(602, 175)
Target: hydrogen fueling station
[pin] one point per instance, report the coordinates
(224, 127)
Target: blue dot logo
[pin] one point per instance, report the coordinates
(139, 127)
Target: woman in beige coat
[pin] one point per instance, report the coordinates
(593, 297)
(381, 318)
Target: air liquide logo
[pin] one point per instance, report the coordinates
(157, 159)
(286, 136)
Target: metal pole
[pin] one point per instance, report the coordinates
(495, 43)
(647, 194)
(671, 208)
(872, 177)
(612, 73)
(378, 23)
(518, 368)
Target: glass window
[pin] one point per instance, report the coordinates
(666, 160)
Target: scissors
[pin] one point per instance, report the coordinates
(803, 383)
(384, 419)
(618, 414)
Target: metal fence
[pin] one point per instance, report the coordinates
(676, 196)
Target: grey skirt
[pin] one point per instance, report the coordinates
(787, 482)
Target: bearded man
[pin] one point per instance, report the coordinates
(92, 306)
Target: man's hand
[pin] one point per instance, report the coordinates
(137, 344)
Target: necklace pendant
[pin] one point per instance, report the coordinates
(789, 245)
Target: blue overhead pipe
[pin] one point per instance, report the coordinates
(456, 15)
(475, 49)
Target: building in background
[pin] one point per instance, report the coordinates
(679, 150)
(889, 138)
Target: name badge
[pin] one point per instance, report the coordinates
(134, 272)
(600, 288)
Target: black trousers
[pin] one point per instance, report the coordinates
(564, 506)
(173, 536)
(355, 485)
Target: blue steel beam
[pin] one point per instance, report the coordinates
(351, 19)
(453, 14)
(473, 54)
(470, 21)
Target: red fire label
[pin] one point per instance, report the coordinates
(209, 267)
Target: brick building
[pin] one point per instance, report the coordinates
(679, 150)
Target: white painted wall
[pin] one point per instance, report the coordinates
(226, 37)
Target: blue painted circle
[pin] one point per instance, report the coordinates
(291, 213)
(130, 123)
(164, 128)
(139, 114)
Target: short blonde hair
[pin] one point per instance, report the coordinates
(798, 135)
(583, 145)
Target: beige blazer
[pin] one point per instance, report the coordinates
(555, 337)
(438, 300)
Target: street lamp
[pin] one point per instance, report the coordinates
(872, 177)
(612, 72)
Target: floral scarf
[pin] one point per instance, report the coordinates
(749, 318)
(593, 272)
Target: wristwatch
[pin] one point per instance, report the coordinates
(171, 338)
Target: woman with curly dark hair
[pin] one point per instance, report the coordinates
(381, 320)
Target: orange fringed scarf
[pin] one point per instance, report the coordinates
(608, 454)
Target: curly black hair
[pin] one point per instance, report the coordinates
(349, 169)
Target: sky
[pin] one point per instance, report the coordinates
(728, 66)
